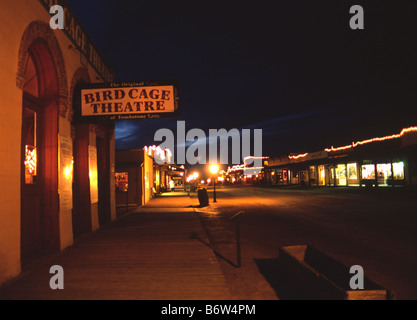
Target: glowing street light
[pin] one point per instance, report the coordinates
(214, 169)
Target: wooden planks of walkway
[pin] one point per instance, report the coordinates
(149, 254)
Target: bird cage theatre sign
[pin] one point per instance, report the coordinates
(125, 101)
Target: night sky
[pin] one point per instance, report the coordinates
(292, 68)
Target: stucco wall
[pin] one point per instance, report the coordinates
(15, 17)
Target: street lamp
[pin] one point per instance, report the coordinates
(214, 169)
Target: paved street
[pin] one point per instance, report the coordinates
(375, 229)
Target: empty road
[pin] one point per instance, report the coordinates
(376, 229)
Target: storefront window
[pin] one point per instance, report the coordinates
(352, 171)
(279, 176)
(284, 175)
(341, 174)
(398, 168)
(368, 171)
(322, 176)
(384, 172)
(31, 157)
(312, 172)
(30, 164)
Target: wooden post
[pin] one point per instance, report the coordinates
(127, 199)
(238, 253)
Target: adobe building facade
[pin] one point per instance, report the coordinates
(57, 177)
(143, 173)
(135, 172)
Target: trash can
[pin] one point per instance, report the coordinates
(203, 197)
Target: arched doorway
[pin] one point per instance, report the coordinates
(41, 76)
(32, 151)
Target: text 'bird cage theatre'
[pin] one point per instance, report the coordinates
(58, 172)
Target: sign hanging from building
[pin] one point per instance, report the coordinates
(124, 101)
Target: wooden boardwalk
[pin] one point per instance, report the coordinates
(149, 254)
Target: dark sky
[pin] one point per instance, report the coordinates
(292, 68)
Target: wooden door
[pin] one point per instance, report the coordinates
(31, 181)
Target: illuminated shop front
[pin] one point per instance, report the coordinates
(165, 170)
(312, 176)
(386, 173)
(378, 162)
(178, 174)
(281, 176)
(322, 175)
(353, 174)
(134, 178)
(341, 177)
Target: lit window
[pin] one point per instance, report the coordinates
(341, 174)
(398, 169)
(352, 171)
(31, 156)
(312, 172)
(368, 171)
(384, 172)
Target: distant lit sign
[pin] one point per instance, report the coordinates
(124, 101)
